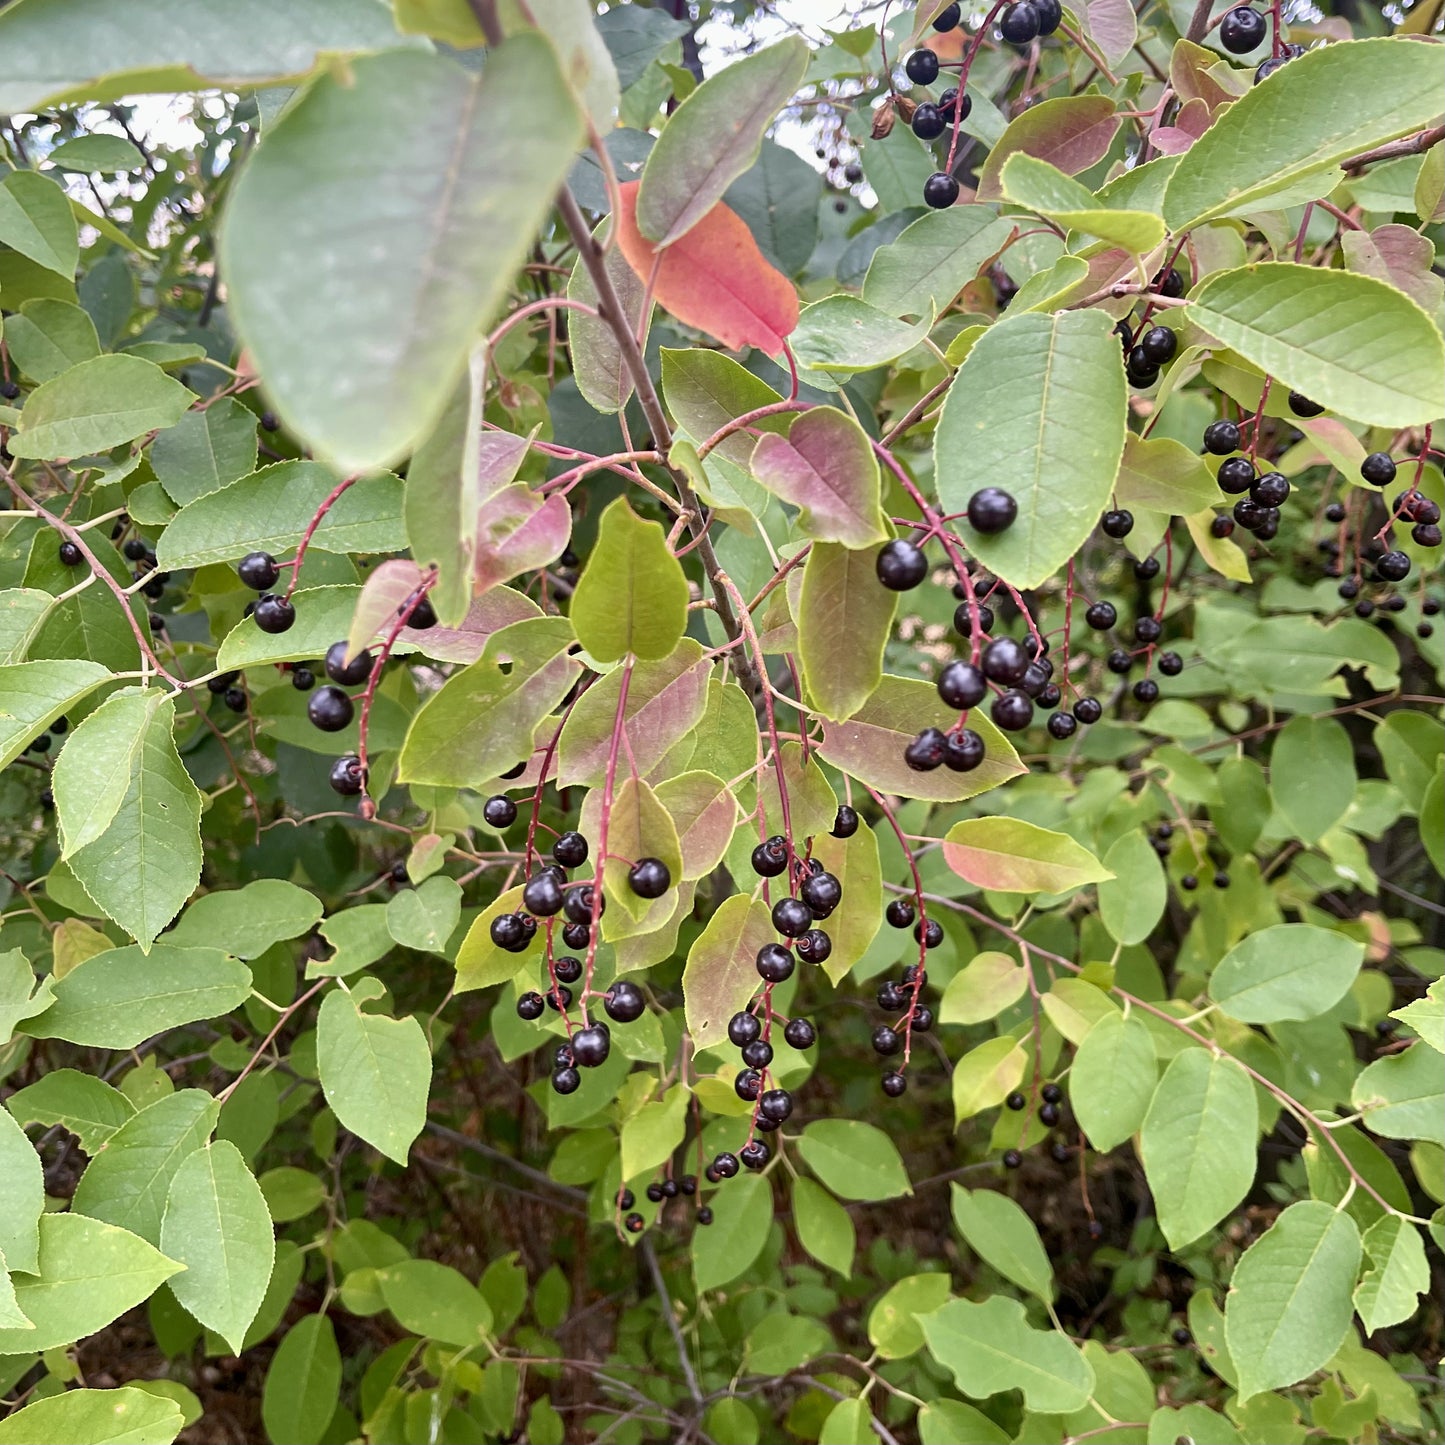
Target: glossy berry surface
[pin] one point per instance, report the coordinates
(1236, 475)
(649, 878)
(961, 685)
(1243, 29)
(940, 191)
(1019, 24)
(1378, 469)
(927, 750)
(845, 822)
(624, 1002)
(800, 1034)
(927, 122)
(1005, 662)
(70, 554)
(273, 614)
(1101, 616)
(258, 570)
(1013, 711)
(347, 776)
(1221, 438)
(329, 709)
(499, 811)
(1159, 344)
(921, 67)
(774, 963)
(1301, 405)
(792, 917)
(901, 566)
(992, 510)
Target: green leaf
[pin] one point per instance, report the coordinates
(88, 1107)
(855, 1160)
(90, 1274)
(1312, 775)
(268, 510)
(823, 1225)
(1040, 400)
(126, 1416)
(48, 337)
(99, 404)
(22, 1198)
(480, 723)
(714, 137)
(999, 1231)
(424, 917)
(597, 363)
(985, 1076)
(639, 827)
(36, 221)
(1197, 1143)
(436, 1302)
(720, 976)
(632, 596)
(1387, 1293)
(1245, 805)
(1282, 144)
(34, 694)
(982, 989)
(1410, 745)
(1290, 971)
(869, 745)
(778, 197)
(1071, 133)
(1349, 342)
(932, 260)
(825, 467)
(375, 1072)
(854, 862)
(990, 1347)
(205, 451)
(422, 185)
(303, 1383)
(743, 1217)
(651, 1134)
(780, 1343)
(1402, 1096)
(1009, 855)
(1289, 1302)
(108, 154)
(893, 1329)
(218, 1226)
(849, 1422)
(1113, 1080)
(946, 1422)
(1163, 475)
(1132, 901)
(1426, 1016)
(117, 998)
(841, 334)
(635, 36)
(128, 1181)
(247, 921)
(1047, 191)
(844, 622)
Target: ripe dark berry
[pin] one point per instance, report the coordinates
(1425, 534)
(258, 570)
(1062, 725)
(725, 1165)
(926, 751)
(1424, 510)
(1249, 514)
(1171, 664)
(1180, 1335)
(70, 554)
(1235, 475)
(654, 1192)
(1012, 1159)
(1378, 469)
(1088, 710)
(1005, 662)
(940, 191)
(776, 1104)
(1049, 1115)
(1221, 879)
(743, 1028)
(928, 932)
(558, 998)
(800, 1034)
(235, 698)
(649, 878)
(570, 850)
(269, 421)
(507, 932)
(891, 998)
(852, 173)
(963, 620)
(768, 861)
(1147, 629)
(991, 510)
(1302, 406)
(1271, 490)
(1101, 616)
(303, 679)
(845, 822)
(542, 895)
(273, 614)
(964, 751)
(1221, 438)
(1364, 608)
(900, 913)
(922, 1020)
(568, 1081)
(815, 946)
(9, 389)
(1013, 711)
(1051, 15)
(894, 1084)
(499, 811)
(792, 917)
(1393, 567)
(922, 67)
(755, 1155)
(822, 893)
(1051, 1093)
(1222, 526)
(961, 685)
(901, 566)
(1159, 344)
(748, 1085)
(952, 108)
(348, 674)
(135, 549)
(704, 1215)
(531, 1005)
(577, 903)
(1146, 690)
(1170, 283)
(347, 777)
(590, 1046)
(423, 615)
(886, 1040)
(1019, 23)
(687, 1184)
(774, 963)
(60, 726)
(329, 709)
(948, 17)
(1242, 30)
(1015, 1101)
(1118, 661)
(1117, 524)
(623, 1002)
(575, 935)
(927, 122)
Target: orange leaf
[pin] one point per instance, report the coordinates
(713, 278)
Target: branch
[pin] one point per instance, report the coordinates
(1410, 145)
(670, 1315)
(1199, 21)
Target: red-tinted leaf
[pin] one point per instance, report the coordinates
(517, 531)
(705, 812)
(825, 467)
(1072, 133)
(713, 278)
(721, 975)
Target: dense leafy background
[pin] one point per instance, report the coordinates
(490, 310)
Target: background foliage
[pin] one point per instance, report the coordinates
(577, 419)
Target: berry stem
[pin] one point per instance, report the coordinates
(332, 497)
(608, 790)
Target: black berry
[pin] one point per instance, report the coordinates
(258, 570)
(901, 566)
(570, 850)
(991, 510)
(1378, 469)
(348, 777)
(348, 674)
(499, 811)
(273, 614)
(329, 709)
(922, 67)
(1221, 438)
(940, 191)
(1242, 30)
(649, 878)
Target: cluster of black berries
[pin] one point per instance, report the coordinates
(1257, 512)
(45, 741)
(1027, 20)
(659, 1192)
(260, 571)
(1102, 616)
(586, 1047)
(1050, 1114)
(900, 998)
(1148, 347)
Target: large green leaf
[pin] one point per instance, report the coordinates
(67, 50)
(33, 694)
(116, 999)
(1282, 143)
(421, 185)
(855, 1160)
(1198, 1143)
(1132, 901)
(713, 137)
(268, 510)
(303, 1383)
(247, 921)
(1312, 775)
(1349, 342)
(129, 812)
(436, 1302)
(205, 451)
(1009, 855)
(844, 621)
(90, 1273)
(126, 1416)
(991, 1346)
(853, 926)
(217, 1224)
(824, 1227)
(1388, 1293)
(778, 197)
(1001, 1233)
(1402, 1096)
(88, 1107)
(98, 404)
(744, 1215)
(22, 1198)
(933, 259)
(1039, 406)
(633, 595)
(598, 365)
(720, 976)
(375, 1070)
(1113, 1080)
(1044, 189)
(35, 219)
(1289, 1302)
(1290, 971)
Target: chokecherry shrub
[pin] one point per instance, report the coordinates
(721, 724)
